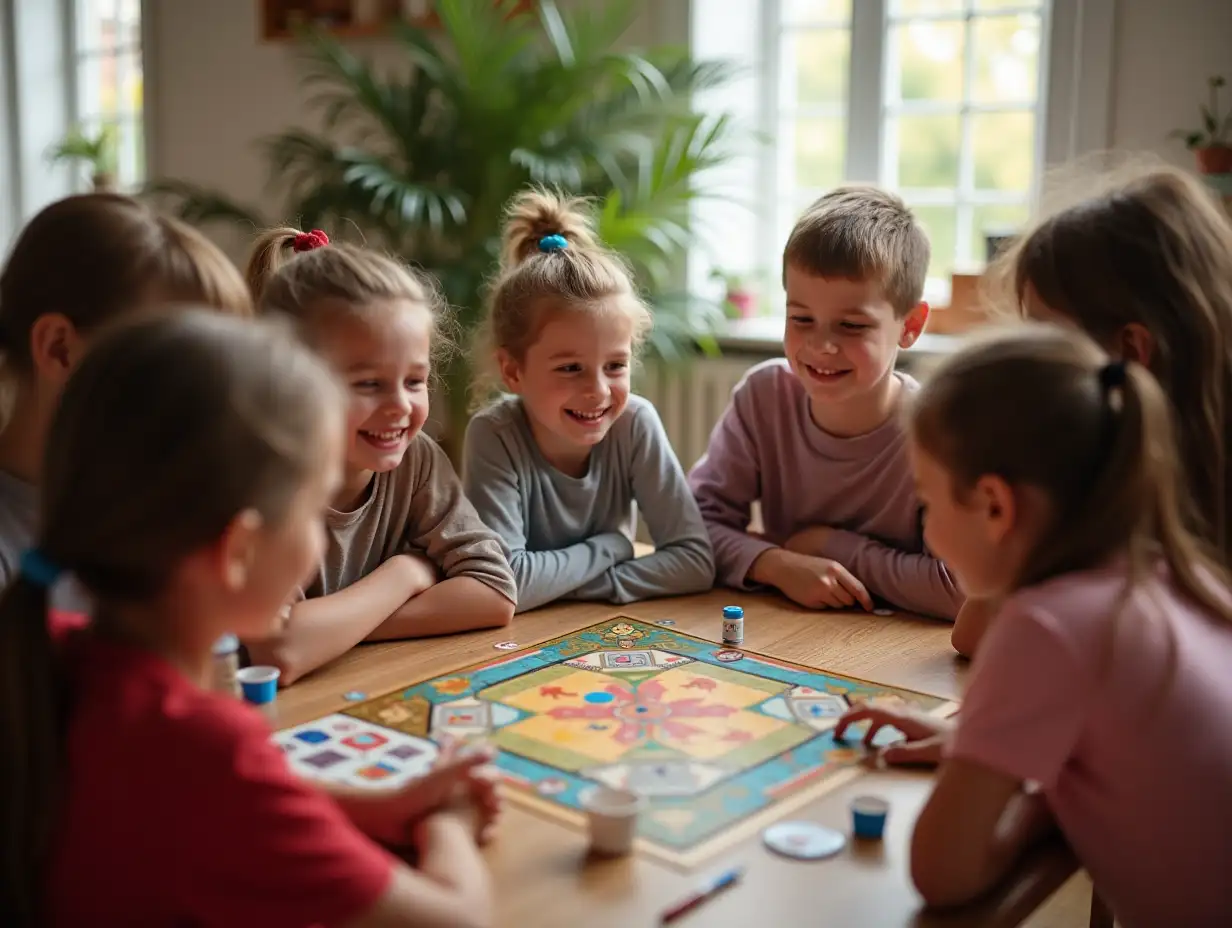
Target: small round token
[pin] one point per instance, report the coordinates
(803, 840)
(667, 622)
(883, 612)
(729, 656)
(354, 696)
(506, 645)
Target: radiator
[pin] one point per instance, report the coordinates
(691, 397)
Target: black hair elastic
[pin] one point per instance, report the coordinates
(1112, 375)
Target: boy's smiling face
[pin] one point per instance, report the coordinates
(842, 338)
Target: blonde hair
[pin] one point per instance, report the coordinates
(241, 413)
(300, 284)
(1041, 406)
(578, 278)
(96, 257)
(1151, 248)
(860, 232)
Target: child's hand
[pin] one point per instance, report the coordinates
(420, 573)
(818, 583)
(926, 736)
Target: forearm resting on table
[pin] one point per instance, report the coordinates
(459, 604)
(971, 624)
(766, 567)
(323, 628)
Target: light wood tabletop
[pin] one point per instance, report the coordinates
(543, 875)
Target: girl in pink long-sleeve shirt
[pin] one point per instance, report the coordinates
(1100, 697)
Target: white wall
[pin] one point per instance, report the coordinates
(1164, 52)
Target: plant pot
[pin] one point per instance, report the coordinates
(104, 182)
(742, 302)
(1214, 159)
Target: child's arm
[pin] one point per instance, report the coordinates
(458, 604)
(319, 630)
(682, 561)
(972, 623)
(450, 888)
(974, 828)
(726, 482)
(915, 582)
(542, 576)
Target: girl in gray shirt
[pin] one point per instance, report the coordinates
(557, 468)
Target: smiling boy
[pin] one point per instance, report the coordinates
(815, 436)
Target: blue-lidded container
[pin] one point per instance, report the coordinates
(868, 817)
(259, 684)
(733, 625)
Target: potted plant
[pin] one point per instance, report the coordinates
(739, 297)
(1212, 144)
(98, 151)
(423, 158)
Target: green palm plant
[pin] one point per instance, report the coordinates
(424, 161)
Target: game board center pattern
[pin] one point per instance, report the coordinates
(714, 738)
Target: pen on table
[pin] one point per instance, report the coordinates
(711, 889)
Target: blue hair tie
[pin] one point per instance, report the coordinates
(553, 242)
(39, 569)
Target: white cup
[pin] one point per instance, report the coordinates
(612, 816)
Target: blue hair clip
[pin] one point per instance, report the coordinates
(553, 242)
(39, 569)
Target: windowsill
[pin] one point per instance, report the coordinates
(764, 335)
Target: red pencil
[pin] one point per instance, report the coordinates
(709, 891)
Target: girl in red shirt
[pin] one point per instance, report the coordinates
(186, 475)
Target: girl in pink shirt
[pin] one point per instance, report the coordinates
(1100, 697)
(131, 795)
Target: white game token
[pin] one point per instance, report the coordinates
(803, 840)
(506, 645)
(883, 612)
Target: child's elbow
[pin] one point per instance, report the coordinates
(502, 613)
(940, 879)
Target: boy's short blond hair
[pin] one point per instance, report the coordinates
(860, 232)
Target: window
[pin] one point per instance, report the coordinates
(940, 100)
(107, 91)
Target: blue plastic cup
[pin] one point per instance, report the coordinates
(259, 684)
(868, 817)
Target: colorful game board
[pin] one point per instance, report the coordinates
(720, 740)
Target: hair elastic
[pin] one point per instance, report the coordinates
(1112, 376)
(553, 242)
(39, 569)
(307, 241)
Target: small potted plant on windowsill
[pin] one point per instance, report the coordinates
(739, 298)
(97, 150)
(1212, 144)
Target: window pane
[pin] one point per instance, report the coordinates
(817, 11)
(1006, 59)
(940, 222)
(103, 25)
(993, 220)
(815, 67)
(1007, 4)
(1003, 149)
(908, 7)
(925, 150)
(820, 151)
(927, 61)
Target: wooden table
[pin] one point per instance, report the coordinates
(542, 874)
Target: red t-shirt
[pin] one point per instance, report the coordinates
(180, 811)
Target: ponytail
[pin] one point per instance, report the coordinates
(32, 714)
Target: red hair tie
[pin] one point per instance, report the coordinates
(306, 241)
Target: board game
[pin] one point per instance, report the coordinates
(720, 740)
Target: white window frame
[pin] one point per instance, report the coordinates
(1072, 112)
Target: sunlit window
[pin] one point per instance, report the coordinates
(108, 92)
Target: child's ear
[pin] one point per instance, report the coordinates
(913, 325)
(510, 370)
(56, 348)
(1137, 344)
(997, 504)
(237, 551)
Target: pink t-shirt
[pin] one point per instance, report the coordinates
(1124, 717)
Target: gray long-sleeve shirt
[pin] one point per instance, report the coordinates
(572, 536)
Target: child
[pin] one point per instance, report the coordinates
(1145, 269)
(556, 468)
(398, 523)
(78, 265)
(816, 438)
(247, 436)
(1050, 482)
